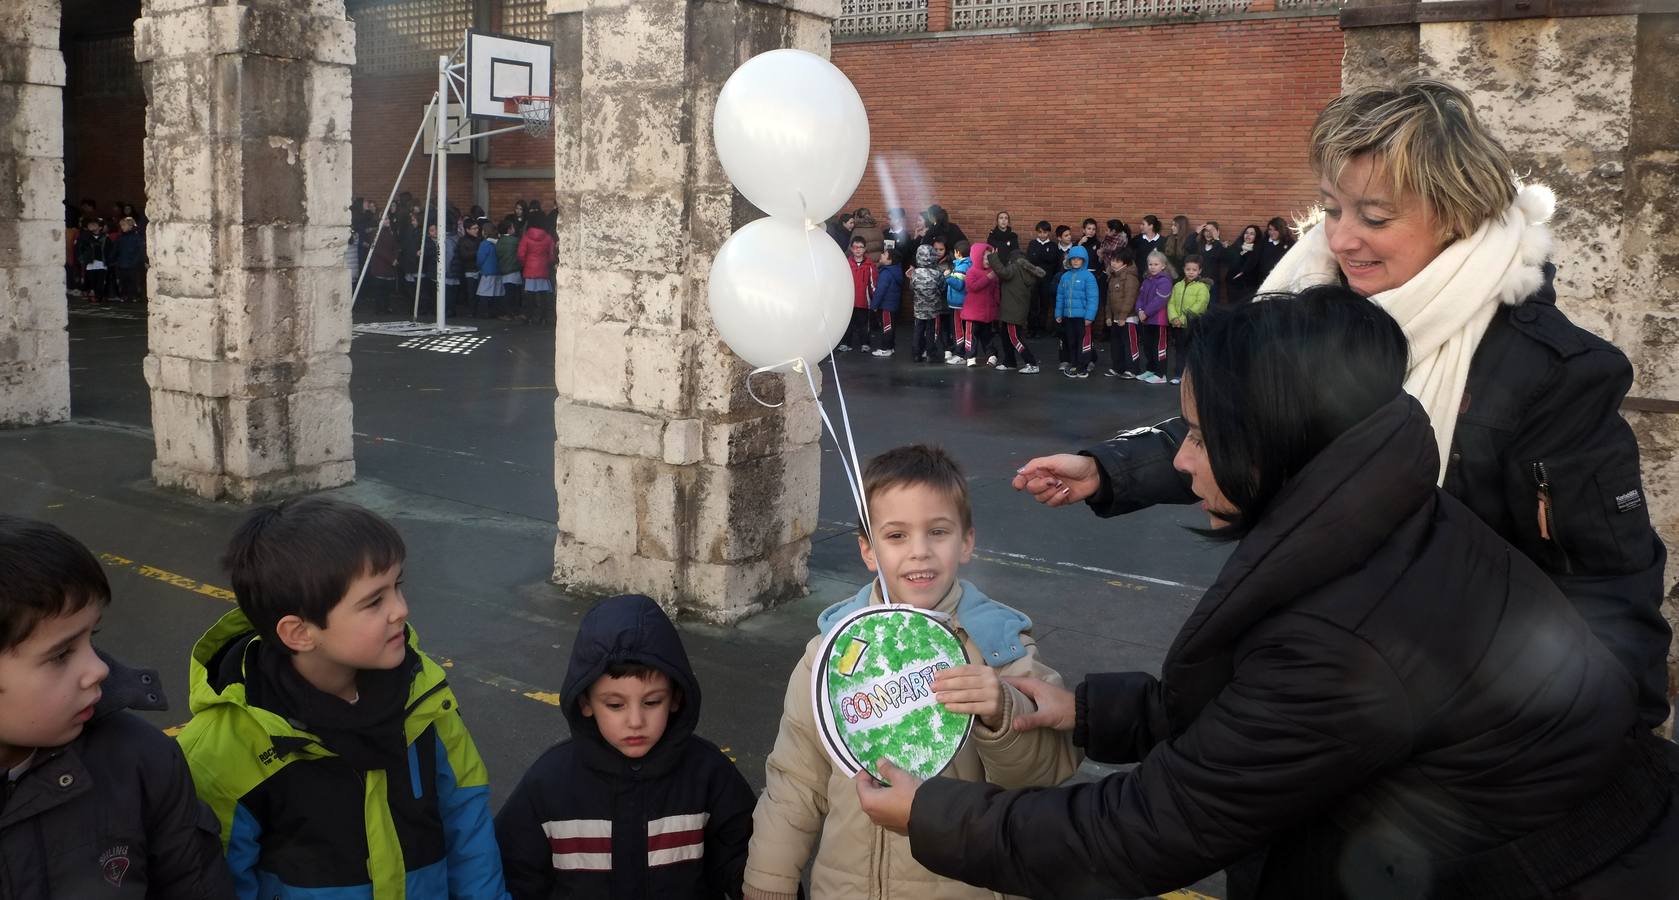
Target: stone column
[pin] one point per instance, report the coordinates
(1604, 137)
(247, 161)
(672, 481)
(34, 349)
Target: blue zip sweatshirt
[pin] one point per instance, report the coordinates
(1075, 295)
(487, 258)
(956, 284)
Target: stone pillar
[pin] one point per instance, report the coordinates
(247, 161)
(34, 349)
(1604, 137)
(672, 481)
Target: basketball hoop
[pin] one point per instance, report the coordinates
(537, 111)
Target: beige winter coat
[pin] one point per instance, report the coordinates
(806, 797)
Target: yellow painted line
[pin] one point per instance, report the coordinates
(1186, 895)
(482, 676)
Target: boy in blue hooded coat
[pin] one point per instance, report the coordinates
(1075, 308)
(888, 294)
(635, 804)
(955, 295)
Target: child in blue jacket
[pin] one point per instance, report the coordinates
(956, 294)
(1075, 308)
(888, 293)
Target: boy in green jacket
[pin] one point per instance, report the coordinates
(1190, 298)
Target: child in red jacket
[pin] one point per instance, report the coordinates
(863, 274)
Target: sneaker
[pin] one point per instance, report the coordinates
(1150, 378)
(843, 348)
(1028, 370)
(954, 361)
(1177, 380)
(1110, 374)
(991, 360)
(1002, 368)
(948, 355)
(1069, 373)
(867, 349)
(1065, 367)
(1082, 374)
(974, 361)
(883, 353)
(1127, 376)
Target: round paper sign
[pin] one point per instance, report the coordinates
(872, 689)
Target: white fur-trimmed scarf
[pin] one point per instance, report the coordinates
(1445, 309)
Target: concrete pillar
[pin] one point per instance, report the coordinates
(1604, 137)
(247, 161)
(34, 349)
(672, 481)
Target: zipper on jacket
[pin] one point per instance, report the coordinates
(1547, 513)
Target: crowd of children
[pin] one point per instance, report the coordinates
(105, 256)
(327, 755)
(976, 303)
(493, 269)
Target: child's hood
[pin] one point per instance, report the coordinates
(1079, 253)
(629, 628)
(977, 253)
(926, 256)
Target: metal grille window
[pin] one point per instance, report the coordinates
(881, 17)
(105, 67)
(409, 36)
(1311, 4)
(966, 15)
(527, 19)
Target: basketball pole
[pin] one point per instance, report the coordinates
(386, 214)
(440, 155)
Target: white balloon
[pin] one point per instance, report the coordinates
(792, 134)
(779, 292)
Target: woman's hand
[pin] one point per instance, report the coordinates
(973, 689)
(888, 806)
(1059, 480)
(1057, 706)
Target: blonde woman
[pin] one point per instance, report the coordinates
(1423, 215)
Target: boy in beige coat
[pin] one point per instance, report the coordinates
(923, 529)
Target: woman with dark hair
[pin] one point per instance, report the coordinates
(1422, 213)
(1376, 697)
(1277, 240)
(1002, 238)
(1241, 274)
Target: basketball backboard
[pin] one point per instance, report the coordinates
(499, 67)
(452, 128)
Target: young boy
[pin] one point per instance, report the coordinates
(1122, 315)
(1075, 308)
(862, 291)
(96, 802)
(923, 533)
(926, 285)
(956, 294)
(1046, 254)
(634, 804)
(330, 748)
(888, 295)
(1190, 298)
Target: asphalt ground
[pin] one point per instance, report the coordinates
(454, 444)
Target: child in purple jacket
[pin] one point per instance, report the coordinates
(1152, 298)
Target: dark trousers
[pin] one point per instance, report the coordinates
(98, 282)
(1075, 335)
(857, 333)
(976, 339)
(128, 284)
(384, 291)
(926, 340)
(512, 300)
(1151, 345)
(1176, 344)
(1014, 343)
(541, 307)
(944, 332)
(888, 336)
(1125, 345)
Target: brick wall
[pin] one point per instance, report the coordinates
(987, 123)
(103, 136)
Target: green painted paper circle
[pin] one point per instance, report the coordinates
(873, 694)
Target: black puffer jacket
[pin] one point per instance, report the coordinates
(587, 822)
(1542, 402)
(1376, 686)
(113, 813)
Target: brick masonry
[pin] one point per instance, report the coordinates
(1067, 124)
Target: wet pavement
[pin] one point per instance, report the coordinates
(454, 444)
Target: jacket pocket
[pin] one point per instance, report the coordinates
(1590, 512)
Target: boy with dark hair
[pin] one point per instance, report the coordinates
(923, 534)
(634, 804)
(304, 700)
(1044, 253)
(956, 294)
(96, 802)
(862, 292)
(888, 296)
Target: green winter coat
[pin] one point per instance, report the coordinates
(1189, 299)
(1020, 281)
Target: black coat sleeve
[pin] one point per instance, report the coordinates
(1310, 714)
(1120, 717)
(728, 831)
(1601, 551)
(183, 840)
(1136, 470)
(527, 863)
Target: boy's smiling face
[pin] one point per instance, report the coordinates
(49, 684)
(631, 712)
(919, 545)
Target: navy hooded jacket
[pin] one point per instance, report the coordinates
(588, 822)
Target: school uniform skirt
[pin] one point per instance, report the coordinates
(489, 286)
(538, 285)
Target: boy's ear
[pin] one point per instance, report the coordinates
(585, 707)
(299, 636)
(867, 552)
(967, 546)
